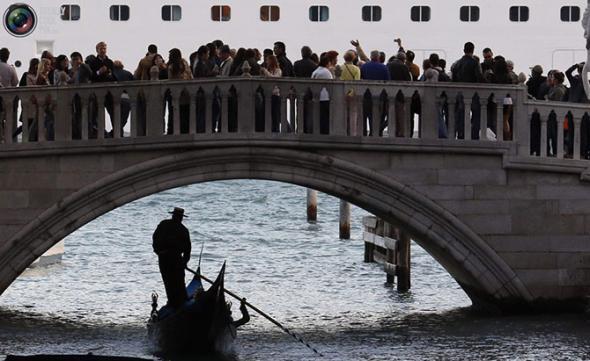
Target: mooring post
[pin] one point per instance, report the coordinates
(369, 249)
(312, 205)
(389, 232)
(344, 219)
(403, 275)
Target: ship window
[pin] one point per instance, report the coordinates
(519, 13)
(371, 13)
(270, 13)
(319, 13)
(70, 12)
(171, 13)
(220, 13)
(469, 13)
(420, 13)
(570, 13)
(119, 12)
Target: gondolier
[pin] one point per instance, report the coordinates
(172, 244)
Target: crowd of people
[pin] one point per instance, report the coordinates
(217, 59)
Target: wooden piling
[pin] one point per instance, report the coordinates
(390, 254)
(344, 220)
(312, 205)
(369, 249)
(403, 269)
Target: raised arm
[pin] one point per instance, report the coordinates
(359, 50)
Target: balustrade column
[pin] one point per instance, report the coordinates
(207, 103)
(483, 120)
(192, 122)
(84, 117)
(133, 124)
(267, 111)
(300, 114)
(62, 111)
(522, 125)
(451, 128)
(577, 136)
(246, 101)
(360, 115)
(467, 121)
(175, 113)
(10, 121)
(292, 114)
(2, 122)
(391, 119)
(225, 100)
(40, 115)
(338, 120)
(408, 118)
(284, 119)
(155, 102)
(560, 137)
(429, 114)
(117, 116)
(100, 119)
(544, 118)
(317, 112)
(25, 120)
(500, 120)
(376, 116)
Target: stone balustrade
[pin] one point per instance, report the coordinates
(264, 106)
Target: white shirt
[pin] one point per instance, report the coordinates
(8, 75)
(323, 73)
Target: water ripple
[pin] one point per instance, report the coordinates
(98, 299)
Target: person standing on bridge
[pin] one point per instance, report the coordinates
(172, 244)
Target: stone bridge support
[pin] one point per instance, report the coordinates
(512, 228)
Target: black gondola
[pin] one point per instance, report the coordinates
(200, 326)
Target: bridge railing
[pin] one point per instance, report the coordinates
(447, 111)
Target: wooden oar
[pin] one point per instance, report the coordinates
(261, 313)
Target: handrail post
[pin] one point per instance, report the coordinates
(522, 121)
(338, 120)
(246, 99)
(577, 136)
(429, 113)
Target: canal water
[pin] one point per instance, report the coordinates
(98, 299)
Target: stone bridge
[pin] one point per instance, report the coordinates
(508, 218)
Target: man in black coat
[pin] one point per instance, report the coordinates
(536, 81)
(467, 70)
(102, 71)
(305, 67)
(172, 244)
(398, 70)
(101, 65)
(284, 62)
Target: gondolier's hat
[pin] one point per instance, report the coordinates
(178, 211)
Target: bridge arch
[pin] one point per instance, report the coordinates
(485, 277)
